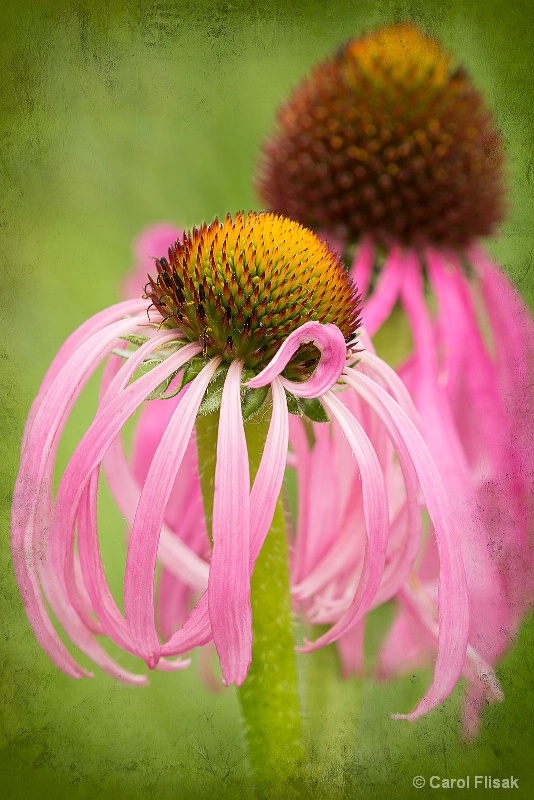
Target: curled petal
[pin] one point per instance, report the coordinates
(328, 339)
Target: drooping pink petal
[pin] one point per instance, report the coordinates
(100, 595)
(329, 341)
(229, 581)
(31, 509)
(270, 476)
(144, 538)
(74, 589)
(196, 631)
(377, 368)
(512, 329)
(375, 508)
(86, 330)
(362, 265)
(453, 597)
(174, 552)
(380, 304)
(177, 556)
(86, 458)
(416, 632)
(480, 423)
(428, 392)
(487, 431)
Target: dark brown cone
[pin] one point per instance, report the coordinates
(387, 139)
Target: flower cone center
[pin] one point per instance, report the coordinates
(241, 286)
(387, 138)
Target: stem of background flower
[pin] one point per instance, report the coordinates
(268, 697)
(332, 705)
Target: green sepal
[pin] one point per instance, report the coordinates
(193, 368)
(211, 402)
(122, 353)
(134, 339)
(251, 399)
(160, 390)
(354, 363)
(292, 404)
(150, 362)
(313, 409)
(174, 392)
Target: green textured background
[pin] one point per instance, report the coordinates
(116, 115)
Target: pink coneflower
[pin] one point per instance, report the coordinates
(250, 315)
(388, 150)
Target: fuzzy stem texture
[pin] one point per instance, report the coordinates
(268, 697)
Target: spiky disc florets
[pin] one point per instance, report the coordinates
(241, 286)
(387, 138)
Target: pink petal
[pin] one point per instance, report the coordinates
(453, 598)
(88, 329)
(229, 581)
(265, 492)
(329, 341)
(86, 458)
(31, 510)
(377, 368)
(144, 539)
(480, 406)
(362, 266)
(174, 553)
(375, 507)
(380, 304)
(270, 476)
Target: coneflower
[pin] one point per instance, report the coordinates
(389, 151)
(247, 318)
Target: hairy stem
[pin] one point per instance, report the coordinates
(268, 697)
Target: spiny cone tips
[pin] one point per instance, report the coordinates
(243, 285)
(389, 139)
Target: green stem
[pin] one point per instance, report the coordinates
(268, 697)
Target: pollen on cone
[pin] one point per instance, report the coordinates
(388, 138)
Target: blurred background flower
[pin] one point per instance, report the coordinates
(122, 114)
(388, 149)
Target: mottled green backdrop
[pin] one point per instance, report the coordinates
(116, 115)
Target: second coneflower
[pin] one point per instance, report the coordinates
(389, 151)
